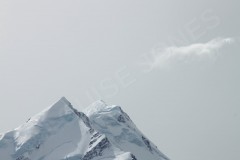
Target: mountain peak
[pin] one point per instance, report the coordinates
(62, 132)
(95, 107)
(64, 100)
(58, 109)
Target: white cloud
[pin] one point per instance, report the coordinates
(185, 54)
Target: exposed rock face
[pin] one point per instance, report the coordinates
(97, 150)
(133, 157)
(121, 119)
(147, 143)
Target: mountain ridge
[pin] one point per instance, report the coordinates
(61, 132)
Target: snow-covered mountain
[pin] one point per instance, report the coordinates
(60, 132)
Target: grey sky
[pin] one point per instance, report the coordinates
(89, 50)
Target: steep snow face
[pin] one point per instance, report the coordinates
(121, 131)
(51, 134)
(60, 132)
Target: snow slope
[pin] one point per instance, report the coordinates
(60, 132)
(121, 131)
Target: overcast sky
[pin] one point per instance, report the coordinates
(172, 65)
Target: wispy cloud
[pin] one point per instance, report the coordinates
(172, 55)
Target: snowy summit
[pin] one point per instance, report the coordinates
(60, 132)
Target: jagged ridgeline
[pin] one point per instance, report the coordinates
(60, 132)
